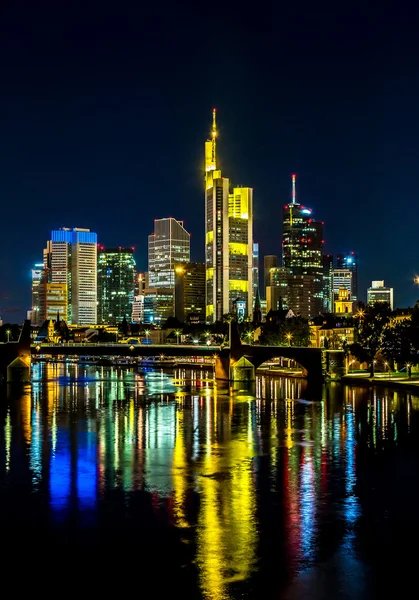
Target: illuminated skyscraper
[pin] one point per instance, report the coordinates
(228, 239)
(255, 271)
(168, 246)
(71, 259)
(349, 260)
(116, 281)
(342, 278)
(328, 295)
(302, 248)
(37, 274)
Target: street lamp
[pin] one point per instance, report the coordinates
(289, 337)
(147, 333)
(8, 335)
(177, 334)
(388, 369)
(249, 336)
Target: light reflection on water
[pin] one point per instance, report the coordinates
(250, 480)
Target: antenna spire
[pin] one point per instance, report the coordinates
(214, 136)
(293, 188)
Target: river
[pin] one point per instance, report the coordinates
(163, 485)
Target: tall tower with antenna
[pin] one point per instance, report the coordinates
(228, 239)
(302, 247)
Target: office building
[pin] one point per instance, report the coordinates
(141, 282)
(228, 239)
(342, 278)
(378, 292)
(302, 249)
(70, 258)
(349, 260)
(168, 247)
(53, 301)
(270, 261)
(158, 305)
(115, 284)
(277, 291)
(137, 315)
(328, 295)
(290, 291)
(190, 292)
(37, 275)
(255, 272)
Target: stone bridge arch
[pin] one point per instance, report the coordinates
(310, 359)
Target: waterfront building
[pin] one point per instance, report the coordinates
(302, 250)
(378, 292)
(70, 258)
(228, 239)
(115, 281)
(190, 292)
(349, 260)
(168, 247)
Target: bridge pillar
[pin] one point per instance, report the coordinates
(334, 364)
(19, 370)
(222, 368)
(242, 371)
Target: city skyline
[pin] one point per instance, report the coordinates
(93, 134)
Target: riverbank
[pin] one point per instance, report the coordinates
(383, 379)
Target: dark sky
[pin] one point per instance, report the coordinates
(104, 110)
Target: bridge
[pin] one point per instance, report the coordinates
(237, 362)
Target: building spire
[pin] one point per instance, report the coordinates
(293, 188)
(214, 136)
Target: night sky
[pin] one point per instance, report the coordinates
(104, 110)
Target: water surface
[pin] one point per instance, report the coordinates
(114, 481)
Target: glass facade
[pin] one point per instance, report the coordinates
(168, 247)
(116, 280)
(70, 258)
(349, 260)
(302, 250)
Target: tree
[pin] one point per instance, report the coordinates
(398, 345)
(293, 331)
(369, 332)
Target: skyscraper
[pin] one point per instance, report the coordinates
(70, 259)
(255, 272)
(190, 292)
(328, 295)
(228, 239)
(342, 278)
(302, 248)
(37, 274)
(168, 246)
(116, 281)
(349, 260)
(269, 262)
